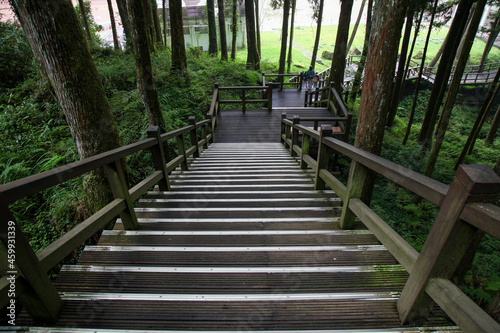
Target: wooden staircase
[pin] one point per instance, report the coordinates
(241, 243)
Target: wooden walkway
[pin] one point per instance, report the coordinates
(260, 125)
(241, 243)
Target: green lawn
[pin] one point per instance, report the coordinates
(304, 42)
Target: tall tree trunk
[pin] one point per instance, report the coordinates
(179, 60)
(234, 29)
(222, 31)
(156, 20)
(462, 42)
(420, 72)
(145, 82)
(455, 85)
(58, 44)
(377, 86)
(113, 25)
(122, 9)
(478, 124)
(290, 43)
(257, 26)
(85, 19)
(164, 17)
(443, 73)
(318, 33)
(436, 58)
(212, 30)
(356, 25)
(361, 64)
(339, 53)
(398, 85)
(494, 128)
(495, 29)
(412, 48)
(253, 61)
(284, 36)
(150, 25)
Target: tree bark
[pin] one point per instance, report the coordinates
(257, 26)
(212, 30)
(398, 85)
(495, 29)
(253, 61)
(356, 25)
(420, 72)
(478, 124)
(339, 53)
(85, 19)
(436, 58)
(58, 44)
(122, 9)
(222, 31)
(455, 85)
(164, 17)
(150, 26)
(284, 37)
(377, 85)
(234, 29)
(113, 25)
(318, 33)
(290, 43)
(145, 82)
(443, 73)
(361, 64)
(179, 60)
(494, 128)
(156, 20)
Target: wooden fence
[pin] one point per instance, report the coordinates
(28, 271)
(466, 212)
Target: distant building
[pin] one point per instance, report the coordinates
(194, 16)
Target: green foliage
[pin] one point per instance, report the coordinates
(97, 42)
(15, 56)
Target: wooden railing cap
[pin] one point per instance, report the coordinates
(478, 179)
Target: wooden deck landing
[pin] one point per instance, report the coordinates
(241, 243)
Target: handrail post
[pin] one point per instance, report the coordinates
(159, 160)
(203, 130)
(451, 244)
(306, 140)
(270, 97)
(36, 292)
(295, 135)
(119, 188)
(301, 82)
(211, 128)
(288, 132)
(194, 136)
(358, 174)
(283, 129)
(323, 156)
(182, 151)
(243, 99)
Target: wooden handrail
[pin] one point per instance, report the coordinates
(483, 216)
(43, 302)
(216, 100)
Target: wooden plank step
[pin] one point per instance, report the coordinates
(240, 202)
(215, 194)
(179, 280)
(237, 224)
(250, 212)
(228, 256)
(249, 238)
(239, 316)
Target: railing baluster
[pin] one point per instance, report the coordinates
(159, 158)
(243, 99)
(119, 188)
(358, 173)
(306, 140)
(283, 128)
(451, 244)
(270, 97)
(295, 135)
(182, 151)
(204, 135)
(34, 290)
(194, 136)
(323, 156)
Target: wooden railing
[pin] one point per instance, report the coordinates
(26, 271)
(472, 74)
(465, 213)
(217, 101)
(295, 81)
